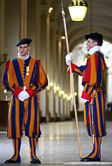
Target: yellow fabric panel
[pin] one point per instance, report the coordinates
(21, 66)
(9, 119)
(90, 120)
(31, 127)
(25, 111)
(17, 118)
(103, 65)
(85, 122)
(38, 121)
(11, 76)
(41, 74)
(42, 77)
(27, 78)
(97, 105)
(93, 76)
(103, 109)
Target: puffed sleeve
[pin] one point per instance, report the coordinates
(93, 75)
(9, 79)
(5, 77)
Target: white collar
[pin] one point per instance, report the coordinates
(23, 58)
(94, 49)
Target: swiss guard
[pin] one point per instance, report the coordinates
(93, 95)
(24, 76)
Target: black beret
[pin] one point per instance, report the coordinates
(95, 36)
(24, 41)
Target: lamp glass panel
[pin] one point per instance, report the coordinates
(77, 13)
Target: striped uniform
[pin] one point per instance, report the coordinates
(92, 74)
(28, 74)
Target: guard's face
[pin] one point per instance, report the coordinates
(91, 43)
(23, 49)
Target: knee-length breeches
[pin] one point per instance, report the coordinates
(23, 116)
(99, 123)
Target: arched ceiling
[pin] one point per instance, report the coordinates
(98, 18)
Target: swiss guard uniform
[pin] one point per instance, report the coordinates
(27, 75)
(92, 74)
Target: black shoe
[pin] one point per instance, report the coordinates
(35, 161)
(90, 159)
(12, 161)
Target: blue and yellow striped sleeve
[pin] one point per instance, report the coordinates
(93, 74)
(94, 70)
(5, 77)
(77, 70)
(9, 81)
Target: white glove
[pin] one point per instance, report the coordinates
(84, 100)
(20, 98)
(68, 58)
(23, 95)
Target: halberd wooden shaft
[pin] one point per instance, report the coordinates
(71, 79)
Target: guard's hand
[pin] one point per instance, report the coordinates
(20, 98)
(68, 58)
(23, 95)
(84, 100)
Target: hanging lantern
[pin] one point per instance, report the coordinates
(77, 10)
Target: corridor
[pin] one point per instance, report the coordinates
(58, 145)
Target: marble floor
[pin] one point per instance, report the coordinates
(58, 145)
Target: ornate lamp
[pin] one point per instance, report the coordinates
(77, 10)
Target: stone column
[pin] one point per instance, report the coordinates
(53, 69)
(56, 70)
(38, 35)
(44, 95)
(59, 73)
(23, 23)
(63, 81)
(66, 81)
(109, 82)
(9, 30)
(2, 49)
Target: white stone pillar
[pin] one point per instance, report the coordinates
(109, 84)
(59, 75)
(52, 69)
(44, 96)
